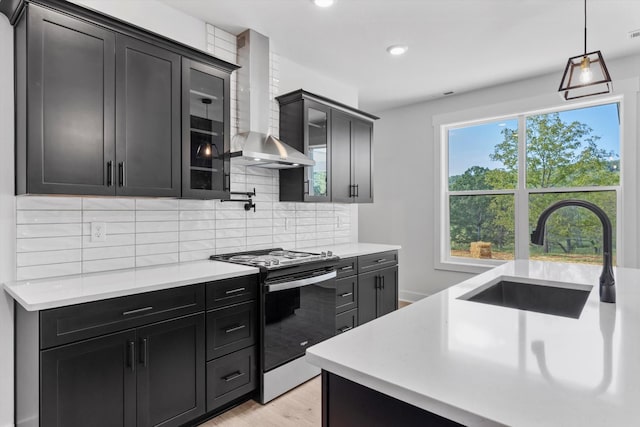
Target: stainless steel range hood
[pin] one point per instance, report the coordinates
(253, 146)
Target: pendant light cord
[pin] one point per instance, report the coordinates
(585, 27)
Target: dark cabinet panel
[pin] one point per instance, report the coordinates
(346, 321)
(171, 370)
(231, 328)
(346, 294)
(147, 119)
(341, 158)
(377, 285)
(90, 380)
(70, 105)
(347, 267)
(226, 292)
(205, 131)
(231, 377)
(388, 294)
(362, 166)
(367, 297)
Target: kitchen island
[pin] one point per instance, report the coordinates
(484, 365)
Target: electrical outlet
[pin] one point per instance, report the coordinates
(98, 232)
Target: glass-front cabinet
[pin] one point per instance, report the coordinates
(316, 183)
(205, 131)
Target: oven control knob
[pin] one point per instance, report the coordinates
(329, 253)
(275, 261)
(323, 254)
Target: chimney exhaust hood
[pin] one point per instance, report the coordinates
(253, 146)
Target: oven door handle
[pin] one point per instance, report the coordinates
(301, 282)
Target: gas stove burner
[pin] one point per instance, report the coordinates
(242, 258)
(290, 254)
(278, 253)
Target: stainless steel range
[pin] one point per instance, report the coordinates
(297, 311)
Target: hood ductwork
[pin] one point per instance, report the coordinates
(253, 146)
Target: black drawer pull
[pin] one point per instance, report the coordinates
(347, 268)
(346, 294)
(136, 311)
(381, 260)
(109, 173)
(234, 291)
(236, 328)
(345, 329)
(231, 377)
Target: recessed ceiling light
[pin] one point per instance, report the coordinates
(397, 49)
(323, 3)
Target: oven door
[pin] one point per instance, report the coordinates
(299, 311)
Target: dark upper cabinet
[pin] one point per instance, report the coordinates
(147, 119)
(91, 380)
(171, 372)
(66, 135)
(205, 131)
(339, 138)
(99, 108)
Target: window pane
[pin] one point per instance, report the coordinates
(482, 226)
(575, 148)
(484, 157)
(572, 234)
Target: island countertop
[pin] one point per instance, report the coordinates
(480, 364)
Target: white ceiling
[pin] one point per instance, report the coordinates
(454, 45)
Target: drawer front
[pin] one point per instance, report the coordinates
(346, 321)
(231, 328)
(231, 291)
(346, 294)
(378, 260)
(230, 377)
(68, 324)
(347, 267)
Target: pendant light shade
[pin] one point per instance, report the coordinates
(586, 74)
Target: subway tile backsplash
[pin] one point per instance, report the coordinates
(54, 233)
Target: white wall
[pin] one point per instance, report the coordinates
(7, 221)
(405, 183)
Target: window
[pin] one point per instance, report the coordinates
(501, 174)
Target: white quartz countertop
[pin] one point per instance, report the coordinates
(61, 291)
(355, 249)
(485, 365)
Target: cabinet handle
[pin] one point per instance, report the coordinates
(136, 311)
(306, 184)
(347, 268)
(377, 284)
(381, 260)
(357, 190)
(345, 329)
(346, 294)
(234, 291)
(144, 352)
(131, 355)
(235, 328)
(109, 173)
(350, 190)
(231, 377)
(121, 174)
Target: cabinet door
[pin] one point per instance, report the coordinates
(205, 131)
(171, 371)
(147, 119)
(388, 292)
(341, 158)
(317, 178)
(367, 296)
(362, 140)
(70, 99)
(91, 382)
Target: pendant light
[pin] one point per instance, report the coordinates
(586, 74)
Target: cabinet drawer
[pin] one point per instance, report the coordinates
(347, 267)
(68, 324)
(231, 328)
(346, 321)
(230, 377)
(378, 260)
(346, 294)
(231, 291)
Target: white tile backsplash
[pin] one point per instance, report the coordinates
(53, 232)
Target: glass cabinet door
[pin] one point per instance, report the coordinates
(205, 131)
(317, 176)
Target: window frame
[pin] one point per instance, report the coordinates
(625, 207)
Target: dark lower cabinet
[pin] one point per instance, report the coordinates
(92, 382)
(377, 293)
(171, 372)
(231, 377)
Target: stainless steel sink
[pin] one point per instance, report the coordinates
(547, 299)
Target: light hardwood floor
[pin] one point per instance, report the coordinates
(301, 407)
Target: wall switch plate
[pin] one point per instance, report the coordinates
(98, 231)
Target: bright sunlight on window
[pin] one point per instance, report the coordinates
(500, 179)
